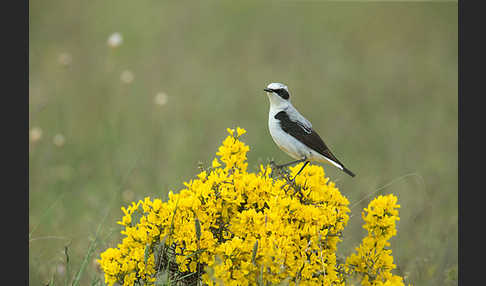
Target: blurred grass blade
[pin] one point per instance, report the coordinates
(90, 251)
(198, 229)
(255, 249)
(68, 270)
(51, 281)
(146, 253)
(195, 253)
(95, 281)
(45, 214)
(172, 220)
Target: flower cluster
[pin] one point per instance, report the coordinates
(129, 261)
(233, 227)
(373, 261)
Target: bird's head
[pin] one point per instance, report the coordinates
(278, 93)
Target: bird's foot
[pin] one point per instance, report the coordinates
(277, 170)
(276, 166)
(292, 181)
(273, 165)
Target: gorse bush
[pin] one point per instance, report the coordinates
(229, 226)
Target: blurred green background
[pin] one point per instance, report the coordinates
(113, 124)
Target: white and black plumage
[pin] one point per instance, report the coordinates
(294, 134)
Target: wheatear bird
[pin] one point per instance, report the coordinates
(293, 134)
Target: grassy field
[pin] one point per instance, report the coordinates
(110, 125)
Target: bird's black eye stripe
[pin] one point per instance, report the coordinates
(282, 92)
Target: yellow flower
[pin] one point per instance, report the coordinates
(216, 163)
(240, 131)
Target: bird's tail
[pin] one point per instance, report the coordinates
(348, 172)
(339, 165)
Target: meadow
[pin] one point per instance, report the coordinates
(112, 122)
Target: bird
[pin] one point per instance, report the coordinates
(294, 134)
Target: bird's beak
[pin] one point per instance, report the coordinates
(268, 90)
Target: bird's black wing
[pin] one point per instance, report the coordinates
(307, 136)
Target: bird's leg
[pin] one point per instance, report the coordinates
(305, 164)
(291, 163)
